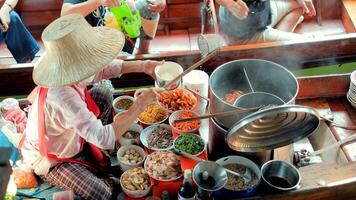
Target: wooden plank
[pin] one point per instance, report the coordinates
(169, 2)
(350, 9)
(39, 5)
(42, 18)
(346, 18)
(184, 10)
(318, 87)
(178, 20)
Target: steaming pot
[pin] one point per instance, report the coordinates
(265, 76)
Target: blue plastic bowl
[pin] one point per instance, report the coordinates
(229, 194)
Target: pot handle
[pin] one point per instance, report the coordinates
(349, 139)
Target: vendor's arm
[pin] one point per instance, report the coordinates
(76, 116)
(5, 10)
(85, 7)
(124, 121)
(119, 67)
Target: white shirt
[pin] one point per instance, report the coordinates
(67, 119)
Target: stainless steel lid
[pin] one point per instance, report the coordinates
(272, 128)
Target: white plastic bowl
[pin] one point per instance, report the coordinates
(126, 166)
(118, 110)
(134, 194)
(122, 112)
(125, 141)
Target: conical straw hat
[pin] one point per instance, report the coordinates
(75, 51)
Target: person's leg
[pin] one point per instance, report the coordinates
(75, 177)
(103, 98)
(273, 35)
(19, 40)
(286, 14)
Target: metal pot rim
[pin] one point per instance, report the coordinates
(289, 165)
(259, 60)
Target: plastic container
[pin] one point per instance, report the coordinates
(146, 124)
(167, 72)
(126, 166)
(225, 193)
(147, 131)
(197, 137)
(118, 110)
(134, 194)
(126, 141)
(120, 113)
(177, 132)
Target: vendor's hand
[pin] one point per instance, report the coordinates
(156, 6)
(147, 97)
(109, 3)
(238, 8)
(5, 17)
(308, 7)
(149, 67)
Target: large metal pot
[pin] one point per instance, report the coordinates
(218, 148)
(265, 76)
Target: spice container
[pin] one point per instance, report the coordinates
(131, 136)
(190, 143)
(153, 114)
(130, 156)
(122, 103)
(157, 137)
(235, 186)
(184, 127)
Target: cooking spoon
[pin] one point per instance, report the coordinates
(246, 176)
(226, 113)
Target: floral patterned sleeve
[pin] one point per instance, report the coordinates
(113, 70)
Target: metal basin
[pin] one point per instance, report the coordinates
(265, 76)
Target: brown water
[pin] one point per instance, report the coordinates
(278, 181)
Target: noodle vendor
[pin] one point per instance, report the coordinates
(63, 140)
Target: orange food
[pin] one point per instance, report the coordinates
(178, 99)
(186, 126)
(232, 96)
(152, 114)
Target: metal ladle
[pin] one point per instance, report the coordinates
(246, 176)
(247, 103)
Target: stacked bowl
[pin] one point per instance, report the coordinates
(351, 94)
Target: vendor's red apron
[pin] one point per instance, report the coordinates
(98, 155)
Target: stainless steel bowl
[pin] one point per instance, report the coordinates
(280, 175)
(265, 76)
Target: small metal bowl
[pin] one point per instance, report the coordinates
(280, 175)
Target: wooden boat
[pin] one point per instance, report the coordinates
(334, 179)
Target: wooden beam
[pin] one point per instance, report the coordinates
(323, 86)
(17, 79)
(348, 15)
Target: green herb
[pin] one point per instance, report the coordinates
(191, 144)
